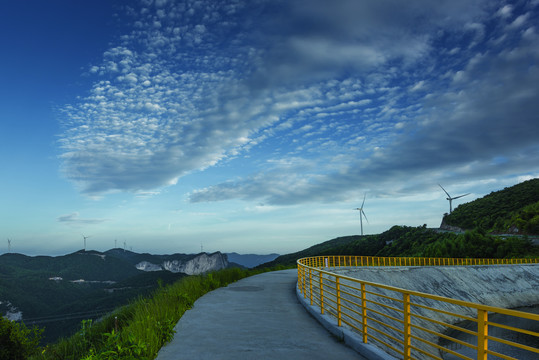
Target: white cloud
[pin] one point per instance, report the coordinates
(519, 21)
(207, 87)
(74, 219)
(505, 11)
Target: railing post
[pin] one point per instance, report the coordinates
(300, 277)
(311, 285)
(407, 327)
(338, 284)
(321, 293)
(482, 333)
(364, 312)
(304, 285)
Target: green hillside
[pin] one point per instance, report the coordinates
(418, 241)
(88, 265)
(500, 212)
(110, 279)
(512, 210)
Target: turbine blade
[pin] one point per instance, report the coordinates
(363, 203)
(364, 215)
(456, 197)
(444, 190)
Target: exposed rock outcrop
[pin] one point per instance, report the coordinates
(446, 227)
(199, 264)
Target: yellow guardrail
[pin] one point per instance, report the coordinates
(416, 325)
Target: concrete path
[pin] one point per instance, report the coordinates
(258, 317)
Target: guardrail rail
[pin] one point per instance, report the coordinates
(410, 324)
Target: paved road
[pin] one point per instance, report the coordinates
(258, 317)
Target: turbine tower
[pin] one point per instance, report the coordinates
(85, 237)
(362, 213)
(451, 198)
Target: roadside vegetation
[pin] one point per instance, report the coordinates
(17, 342)
(134, 331)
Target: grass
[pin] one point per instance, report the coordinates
(140, 329)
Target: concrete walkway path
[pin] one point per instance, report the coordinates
(258, 317)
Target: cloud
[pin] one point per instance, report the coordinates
(74, 219)
(354, 94)
(316, 40)
(159, 111)
(460, 132)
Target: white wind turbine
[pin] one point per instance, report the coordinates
(85, 237)
(362, 213)
(451, 198)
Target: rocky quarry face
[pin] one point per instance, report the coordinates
(200, 264)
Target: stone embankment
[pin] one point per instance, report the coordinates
(506, 286)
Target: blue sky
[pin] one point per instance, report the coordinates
(256, 126)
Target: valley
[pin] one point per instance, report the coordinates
(57, 293)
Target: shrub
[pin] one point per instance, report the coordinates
(17, 341)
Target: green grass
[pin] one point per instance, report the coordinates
(140, 329)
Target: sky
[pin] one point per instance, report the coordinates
(256, 126)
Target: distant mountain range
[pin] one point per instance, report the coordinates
(250, 260)
(58, 292)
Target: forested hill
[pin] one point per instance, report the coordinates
(513, 210)
(419, 241)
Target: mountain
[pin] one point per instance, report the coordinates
(58, 292)
(513, 210)
(250, 260)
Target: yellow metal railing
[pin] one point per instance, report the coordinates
(411, 324)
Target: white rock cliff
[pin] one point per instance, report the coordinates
(197, 265)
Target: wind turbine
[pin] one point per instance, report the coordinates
(85, 237)
(362, 213)
(451, 198)
(8, 245)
